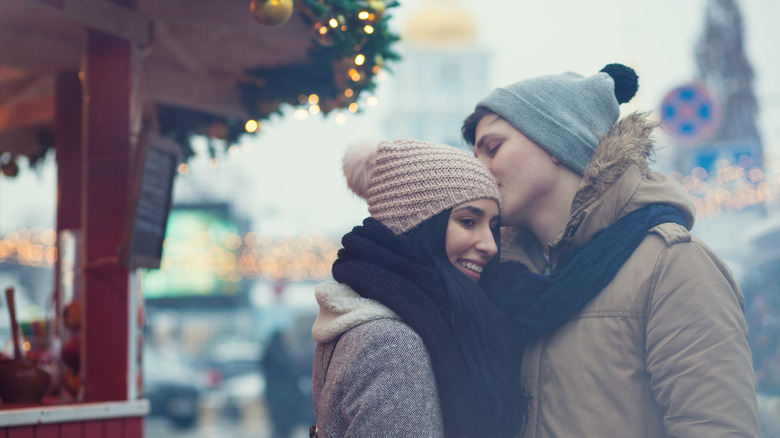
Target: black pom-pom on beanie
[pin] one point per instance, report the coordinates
(626, 81)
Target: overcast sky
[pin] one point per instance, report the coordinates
(288, 179)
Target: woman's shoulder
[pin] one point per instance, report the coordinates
(384, 353)
(385, 331)
(383, 343)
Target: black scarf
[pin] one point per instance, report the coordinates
(538, 304)
(387, 268)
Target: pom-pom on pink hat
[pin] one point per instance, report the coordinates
(407, 182)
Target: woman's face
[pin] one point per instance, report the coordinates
(469, 242)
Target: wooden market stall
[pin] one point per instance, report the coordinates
(93, 80)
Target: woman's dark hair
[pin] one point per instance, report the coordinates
(469, 128)
(484, 334)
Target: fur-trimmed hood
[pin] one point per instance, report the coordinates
(616, 182)
(341, 308)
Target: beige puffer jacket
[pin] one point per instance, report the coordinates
(662, 351)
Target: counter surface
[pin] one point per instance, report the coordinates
(43, 414)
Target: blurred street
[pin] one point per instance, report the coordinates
(254, 424)
(251, 423)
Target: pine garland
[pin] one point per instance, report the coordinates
(331, 72)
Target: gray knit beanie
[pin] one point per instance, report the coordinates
(566, 114)
(409, 181)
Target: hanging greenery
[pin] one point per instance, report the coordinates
(351, 44)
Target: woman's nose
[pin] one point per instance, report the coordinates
(486, 243)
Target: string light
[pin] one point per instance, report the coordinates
(251, 126)
(301, 114)
(354, 75)
(232, 258)
(732, 187)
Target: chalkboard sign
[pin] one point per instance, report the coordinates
(150, 202)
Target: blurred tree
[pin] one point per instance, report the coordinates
(724, 67)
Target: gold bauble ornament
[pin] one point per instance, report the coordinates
(272, 12)
(10, 169)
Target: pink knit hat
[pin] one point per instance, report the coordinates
(409, 181)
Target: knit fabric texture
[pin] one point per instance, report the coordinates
(565, 114)
(414, 180)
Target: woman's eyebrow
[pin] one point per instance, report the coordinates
(472, 209)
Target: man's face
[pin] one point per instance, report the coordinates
(526, 173)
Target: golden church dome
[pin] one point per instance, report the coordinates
(440, 23)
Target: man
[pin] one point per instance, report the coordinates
(638, 328)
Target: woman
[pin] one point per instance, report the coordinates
(407, 343)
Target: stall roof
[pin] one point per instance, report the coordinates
(193, 54)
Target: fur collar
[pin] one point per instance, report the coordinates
(341, 308)
(629, 143)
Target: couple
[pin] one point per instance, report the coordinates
(604, 316)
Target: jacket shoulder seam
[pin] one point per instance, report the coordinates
(672, 233)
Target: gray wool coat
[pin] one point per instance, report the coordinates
(372, 376)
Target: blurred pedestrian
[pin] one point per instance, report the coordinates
(283, 396)
(638, 330)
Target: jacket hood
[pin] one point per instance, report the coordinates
(341, 308)
(617, 182)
